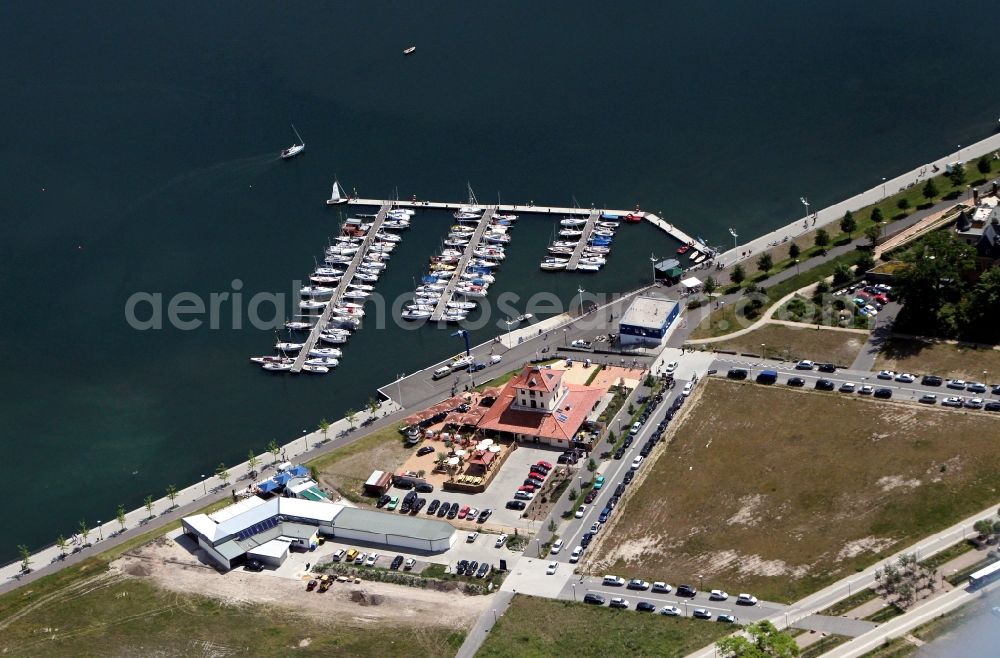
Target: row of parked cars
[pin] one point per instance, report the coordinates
(412, 503)
(536, 478)
(455, 511)
(659, 587)
(353, 555)
(473, 569)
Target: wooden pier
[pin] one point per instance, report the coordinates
(477, 237)
(676, 233)
(324, 318)
(588, 229)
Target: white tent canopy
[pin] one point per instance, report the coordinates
(691, 283)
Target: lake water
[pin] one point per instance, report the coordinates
(139, 151)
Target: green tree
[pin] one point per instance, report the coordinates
(841, 274)
(274, 449)
(934, 268)
(984, 165)
(148, 502)
(764, 641)
(983, 526)
(25, 558)
(572, 494)
(61, 544)
(930, 189)
(171, 494)
(252, 463)
(822, 238)
(877, 215)
(864, 263)
(793, 250)
(821, 289)
(324, 426)
(848, 224)
(765, 262)
(710, 285)
(84, 531)
(351, 416)
(222, 472)
(552, 526)
(738, 275)
(981, 307)
(957, 175)
(591, 465)
(903, 203)
(873, 233)
(373, 406)
(120, 515)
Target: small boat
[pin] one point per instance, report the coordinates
(388, 237)
(415, 315)
(312, 305)
(454, 316)
(694, 254)
(271, 359)
(632, 218)
(325, 353)
(700, 258)
(683, 249)
(366, 277)
(409, 212)
(329, 362)
(561, 250)
(608, 225)
(288, 347)
(609, 215)
(316, 291)
(298, 326)
(343, 322)
(275, 366)
(294, 149)
(328, 271)
(461, 306)
(360, 286)
(552, 266)
(315, 370)
(573, 221)
(564, 243)
(321, 280)
(337, 196)
(471, 209)
(603, 233)
(588, 267)
(467, 217)
(334, 339)
(356, 294)
(505, 218)
(409, 51)
(472, 291)
(597, 260)
(570, 233)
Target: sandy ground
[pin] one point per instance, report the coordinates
(172, 567)
(608, 377)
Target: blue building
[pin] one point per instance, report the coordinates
(647, 321)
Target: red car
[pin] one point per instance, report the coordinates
(881, 298)
(537, 473)
(464, 512)
(530, 488)
(544, 465)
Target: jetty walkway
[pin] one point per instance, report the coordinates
(324, 318)
(574, 260)
(477, 237)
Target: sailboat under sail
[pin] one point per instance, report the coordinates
(294, 149)
(337, 196)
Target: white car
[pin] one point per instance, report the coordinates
(746, 599)
(556, 547)
(670, 611)
(551, 569)
(905, 377)
(495, 358)
(717, 595)
(409, 564)
(501, 540)
(581, 511)
(661, 587)
(595, 527)
(372, 559)
(473, 513)
(473, 536)
(671, 366)
(582, 343)
(575, 555)
(886, 374)
(687, 389)
(637, 462)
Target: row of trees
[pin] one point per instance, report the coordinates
(904, 580)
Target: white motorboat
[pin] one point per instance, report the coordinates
(482, 262)
(323, 280)
(344, 322)
(456, 242)
(419, 307)
(328, 271)
(553, 266)
(588, 267)
(329, 362)
(491, 254)
(415, 315)
(395, 225)
(343, 250)
(473, 292)
(561, 250)
(604, 233)
(461, 306)
(315, 370)
(431, 287)
(388, 237)
(325, 353)
(471, 209)
(406, 212)
(467, 216)
(334, 339)
(366, 277)
(312, 305)
(371, 266)
(608, 225)
(360, 286)
(570, 233)
(461, 228)
(598, 260)
(339, 259)
(564, 243)
(294, 149)
(475, 276)
(275, 366)
(288, 347)
(454, 316)
(573, 221)
(700, 258)
(337, 196)
(298, 326)
(271, 359)
(497, 238)
(554, 259)
(356, 294)
(316, 291)
(506, 218)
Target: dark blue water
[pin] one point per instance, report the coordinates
(139, 147)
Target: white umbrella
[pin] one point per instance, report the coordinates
(494, 448)
(453, 461)
(486, 442)
(460, 452)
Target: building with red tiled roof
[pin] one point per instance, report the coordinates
(536, 405)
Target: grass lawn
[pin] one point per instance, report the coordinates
(85, 610)
(346, 469)
(781, 492)
(826, 643)
(944, 359)
(794, 343)
(898, 648)
(947, 555)
(850, 603)
(544, 627)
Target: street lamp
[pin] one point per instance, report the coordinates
(564, 337)
(762, 352)
(100, 529)
(538, 545)
(305, 441)
(494, 616)
(701, 581)
(652, 260)
(735, 236)
(580, 290)
(509, 324)
(797, 266)
(204, 486)
(573, 585)
(883, 187)
(399, 390)
(805, 202)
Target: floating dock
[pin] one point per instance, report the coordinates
(588, 229)
(477, 237)
(676, 233)
(324, 318)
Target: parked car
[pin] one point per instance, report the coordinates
(501, 540)
(591, 495)
(426, 450)
(824, 385)
(338, 555)
(796, 381)
(484, 515)
(672, 366)
(580, 511)
(255, 565)
(717, 595)
(928, 398)
(393, 503)
(951, 402)
(397, 562)
(746, 599)
(737, 373)
(383, 500)
(471, 537)
(661, 587)
(523, 495)
(826, 367)
(931, 380)
(976, 387)
(686, 590)
(867, 389)
(372, 559)
(544, 464)
(409, 564)
(311, 585)
(433, 507)
(556, 547)
(585, 344)
(645, 606)
(424, 487)
(687, 389)
(618, 602)
(701, 613)
(575, 556)
(847, 387)
(886, 374)
(443, 510)
(638, 583)
(515, 504)
(992, 405)
(360, 559)
(453, 511)
(905, 377)
(670, 611)
(598, 483)
(464, 511)
(628, 476)
(726, 619)
(883, 393)
(637, 462)
(805, 364)
(613, 581)
(483, 569)
(594, 599)
(974, 403)
(551, 569)
(956, 384)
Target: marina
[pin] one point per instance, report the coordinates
(449, 291)
(588, 229)
(352, 268)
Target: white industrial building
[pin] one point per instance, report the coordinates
(266, 530)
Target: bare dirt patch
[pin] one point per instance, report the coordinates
(780, 492)
(944, 359)
(795, 343)
(172, 567)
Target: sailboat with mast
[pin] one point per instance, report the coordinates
(294, 149)
(337, 196)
